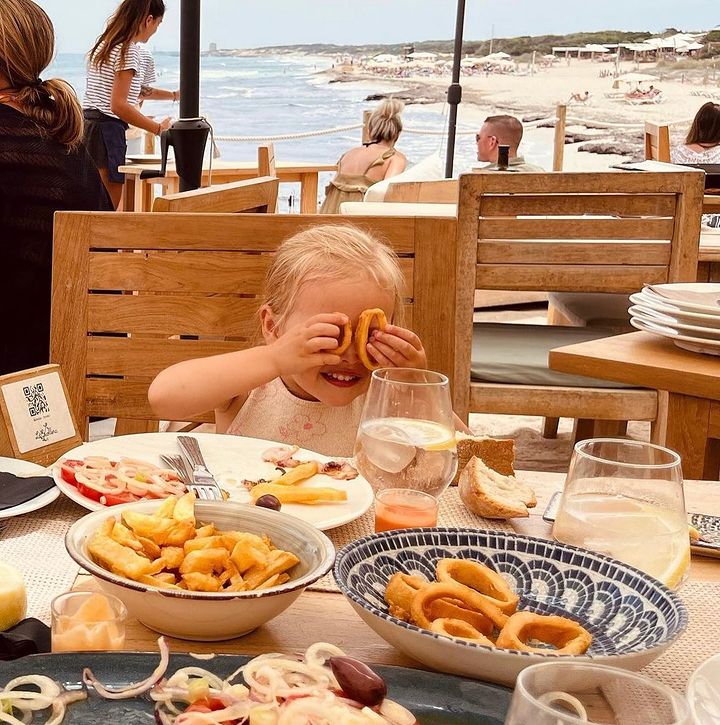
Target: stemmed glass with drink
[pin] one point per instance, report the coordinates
(406, 438)
(625, 499)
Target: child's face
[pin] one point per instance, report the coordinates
(350, 298)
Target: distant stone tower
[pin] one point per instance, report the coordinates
(213, 48)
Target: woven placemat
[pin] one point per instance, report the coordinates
(35, 544)
(451, 512)
(700, 641)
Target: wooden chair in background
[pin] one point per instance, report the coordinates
(528, 232)
(200, 275)
(657, 142)
(266, 163)
(252, 195)
(443, 191)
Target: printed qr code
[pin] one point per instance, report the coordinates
(36, 399)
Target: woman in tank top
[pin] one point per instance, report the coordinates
(365, 165)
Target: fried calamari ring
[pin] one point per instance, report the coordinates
(453, 609)
(568, 637)
(345, 340)
(401, 591)
(458, 629)
(362, 333)
(482, 579)
(452, 590)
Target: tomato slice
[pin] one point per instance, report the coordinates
(67, 470)
(106, 499)
(207, 705)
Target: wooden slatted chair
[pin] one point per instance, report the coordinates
(527, 232)
(266, 163)
(657, 142)
(444, 191)
(251, 195)
(200, 275)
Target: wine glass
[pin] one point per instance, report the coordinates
(406, 437)
(570, 693)
(625, 499)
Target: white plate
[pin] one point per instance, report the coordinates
(704, 692)
(660, 318)
(696, 287)
(694, 344)
(688, 318)
(230, 459)
(12, 465)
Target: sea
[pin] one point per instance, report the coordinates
(290, 94)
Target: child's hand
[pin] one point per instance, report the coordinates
(397, 347)
(308, 345)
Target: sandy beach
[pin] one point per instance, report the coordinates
(533, 96)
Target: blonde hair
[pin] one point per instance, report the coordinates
(27, 44)
(330, 252)
(385, 123)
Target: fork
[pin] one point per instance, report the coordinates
(179, 465)
(201, 480)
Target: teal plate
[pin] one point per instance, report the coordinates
(433, 698)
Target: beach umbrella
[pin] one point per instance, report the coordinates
(454, 93)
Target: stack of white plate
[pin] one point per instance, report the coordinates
(687, 313)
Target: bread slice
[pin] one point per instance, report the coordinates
(496, 454)
(487, 493)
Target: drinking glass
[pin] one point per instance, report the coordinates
(625, 499)
(87, 621)
(406, 437)
(404, 508)
(566, 693)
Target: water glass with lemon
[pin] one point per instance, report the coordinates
(406, 437)
(625, 499)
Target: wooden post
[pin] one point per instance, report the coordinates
(559, 146)
(365, 133)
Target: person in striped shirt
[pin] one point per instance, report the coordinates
(115, 77)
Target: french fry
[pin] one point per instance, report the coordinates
(230, 538)
(246, 556)
(156, 581)
(198, 582)
(181, 532)
(204, 561)
(173, 557)
(120, 533)
(274, 581)
(280, 561)
(185, 508)
(292, 494)
(151, 527)
(151, 548)
(298, 474)
(208, 542)
(117, 558)
(204, 531)
(107, 526)
(167, 508)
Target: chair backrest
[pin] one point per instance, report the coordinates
(571, 232)
(443, 191)
(657, 142)
(266, 160)
(200, 276)
(258, 195)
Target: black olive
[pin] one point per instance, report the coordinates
(358, 681)
(268, 501)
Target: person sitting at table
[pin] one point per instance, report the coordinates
(499, 131)
(296, 388)
(702, 146)
(115, 73)
(43, 169)
(365, 165)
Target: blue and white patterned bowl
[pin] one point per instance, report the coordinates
(633, 618)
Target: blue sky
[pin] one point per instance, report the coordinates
(253, 23)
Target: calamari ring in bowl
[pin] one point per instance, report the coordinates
(452, 590)
(454, 609)
(362, 333)
(459, 629)
(480, 578)
(568, 637)
(345, 340)
(401, 591)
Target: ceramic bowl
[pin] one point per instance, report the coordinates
(214, 615)
(704, 692)
(633, 618)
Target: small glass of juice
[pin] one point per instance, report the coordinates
(84, 621)
(404, 508)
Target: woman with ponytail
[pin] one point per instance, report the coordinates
(373, 161)
(43, 169)
(116, 70)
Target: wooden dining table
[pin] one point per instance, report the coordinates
(138, 192)
(689, 403)
(326, 616)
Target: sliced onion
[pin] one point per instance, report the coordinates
(201, 656)
(396, 713)
(134, 689)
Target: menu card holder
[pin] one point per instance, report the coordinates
(36, 422)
